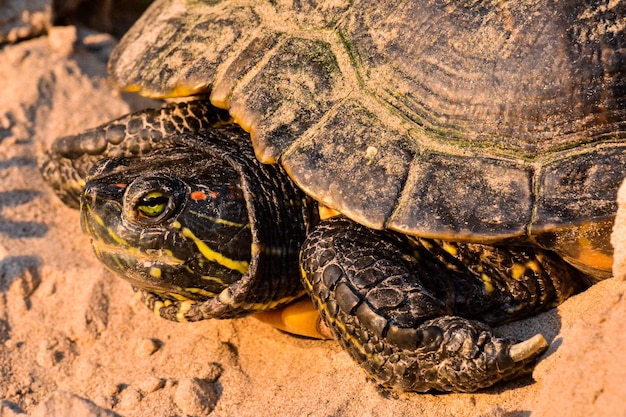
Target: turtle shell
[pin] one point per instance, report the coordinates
(462, 120)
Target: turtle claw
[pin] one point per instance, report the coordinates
(529, 348)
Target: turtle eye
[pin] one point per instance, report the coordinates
(153, 204)
(151, 201)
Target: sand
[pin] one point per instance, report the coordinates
(75, 340)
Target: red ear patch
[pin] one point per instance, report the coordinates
(198, 195)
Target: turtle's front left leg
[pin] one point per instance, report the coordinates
(412, 311)
(66, 165)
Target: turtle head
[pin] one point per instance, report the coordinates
(174, 224)
(175, 201)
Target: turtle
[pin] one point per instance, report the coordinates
(419, 171)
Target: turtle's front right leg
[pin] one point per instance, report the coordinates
(412, 311)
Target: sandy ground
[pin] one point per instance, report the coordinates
(75, 340)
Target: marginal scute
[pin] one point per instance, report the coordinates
(299, 84)
(251, 55)
(333, 164)
(176, 48)
(464, 197)
(580, 185)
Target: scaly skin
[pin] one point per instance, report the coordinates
(411, 311)
(66, 165)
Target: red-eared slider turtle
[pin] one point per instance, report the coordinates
(473, 150)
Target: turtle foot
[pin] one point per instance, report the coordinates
(466, 357)
(449, 354)
(393, 306)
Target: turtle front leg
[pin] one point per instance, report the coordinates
(411, 311)
(66, 165)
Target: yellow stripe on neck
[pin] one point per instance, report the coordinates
(211, 255)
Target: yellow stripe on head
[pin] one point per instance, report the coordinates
(111, 233)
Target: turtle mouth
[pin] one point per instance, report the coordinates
(148, 269)
(155, 271)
